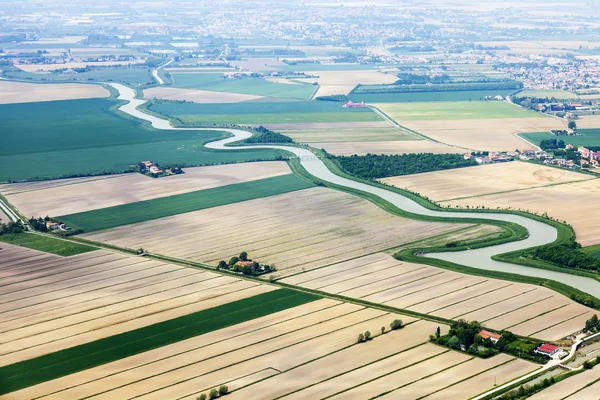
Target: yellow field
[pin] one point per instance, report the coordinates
(197, 96)
(524, 309)
(567, 387)
(54, 67)
(484, 134)
(58, 40)
(589, 121)
(50, 303)
(483, 180)
(294, 231)
(342, 82)
(397, 147)
(308, 126)
(18, 92)
(350, 135)
(76, 194)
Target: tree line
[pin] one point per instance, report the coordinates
(442, 87)
(375, 166)
(268, 136)
(567, 256)
(11, 227)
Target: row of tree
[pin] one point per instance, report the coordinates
(566, 256)
(375, 166)
(394, 325)
(214, 393)
(442, 87)
(592, 324)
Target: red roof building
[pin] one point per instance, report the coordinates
(547, 349)
(494, 337)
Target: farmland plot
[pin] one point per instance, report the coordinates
(379, 278)
(342, 82)
(396, 147)
(567, 387)
(49, 303)
(325, 227)
(197, 96)
(74, 195)
(18, 92)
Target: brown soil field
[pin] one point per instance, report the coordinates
(483, 180)
(18, 92)
(405, 376)
(54, 67)
(258, 64)
(75, 195)
(309, 126)
(4, 218)
(398, 147)
(485, 381)
(342, 82)
(197, 96)
(13, 188)
(484, 134)
(378, 278)
(589, 393)
(568, 386)
(589, 121)
(563, 202)
(350, 135)
(325, 227)
(51, 303)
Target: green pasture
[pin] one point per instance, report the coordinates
(473, 110)
(257, 113)
(87, 137)
(332, 135)
(593, 251)
(135, 76)
(65, 362)
(251, 86)
(46, 244)
(549, 93)
(428, 96)
(141, 211)
(587, 137)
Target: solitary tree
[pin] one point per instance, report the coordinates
(202, 397)
(438, 332)
(244, 256)
(382, 330)
(223, 390)
(572, 125)
(213, 394)
(367, 335)
(361, 338)
(222, 264)
(396, 324)
(234, 260)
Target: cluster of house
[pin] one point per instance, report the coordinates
(559, 107)
(588, 157)
(355, 105)
(149, 166)
(492, 157)
(55, 226)
(550, 350)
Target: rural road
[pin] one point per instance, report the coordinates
(539, 232)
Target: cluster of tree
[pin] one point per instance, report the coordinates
(442, 87)
(566, 256)
(592, 324)
(415, 48)
(526, 391)
(247, 267)
(375, 166)
(11, 227)
(342, 98)
(420, 79)
(214, 393)
(465, 336)
(586, 300)
(268, 136)
(394, 325)
(552, 144)
(39, 224)
(482, 47)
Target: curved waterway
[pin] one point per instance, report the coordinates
(539, 232)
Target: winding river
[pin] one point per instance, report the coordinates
(539, 233)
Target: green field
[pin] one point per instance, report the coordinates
(46, 244)
(252, 86)
(543, 93)
(588, 137)
(141, 211)
(86, 137)
(135, 76)
(455, 110)
(54, 365)
(257, 113)
(428, 96)
(593, 251)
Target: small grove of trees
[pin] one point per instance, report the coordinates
(268, 136)
(215, 393)
(592, 324)
(572, 125)
(365, 337)
(11, 227)
(552, 144)
(376, 166)
(567, 256)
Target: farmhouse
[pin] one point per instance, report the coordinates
(547, 349)
(494, 337)
(355, 105)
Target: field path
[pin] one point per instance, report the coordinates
(155, 72)
(539, 232)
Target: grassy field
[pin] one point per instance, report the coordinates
(593, 251)
(253, 86)
(263, 113)
(54, 365)
(137, 76)
(183, 203)
(46, 244)
(83, 137)
(455, 110)
(543, 93)
(589, 137)
(428, 96)
(335, 135)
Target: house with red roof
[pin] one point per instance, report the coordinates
(547, 349)
(494, 337)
